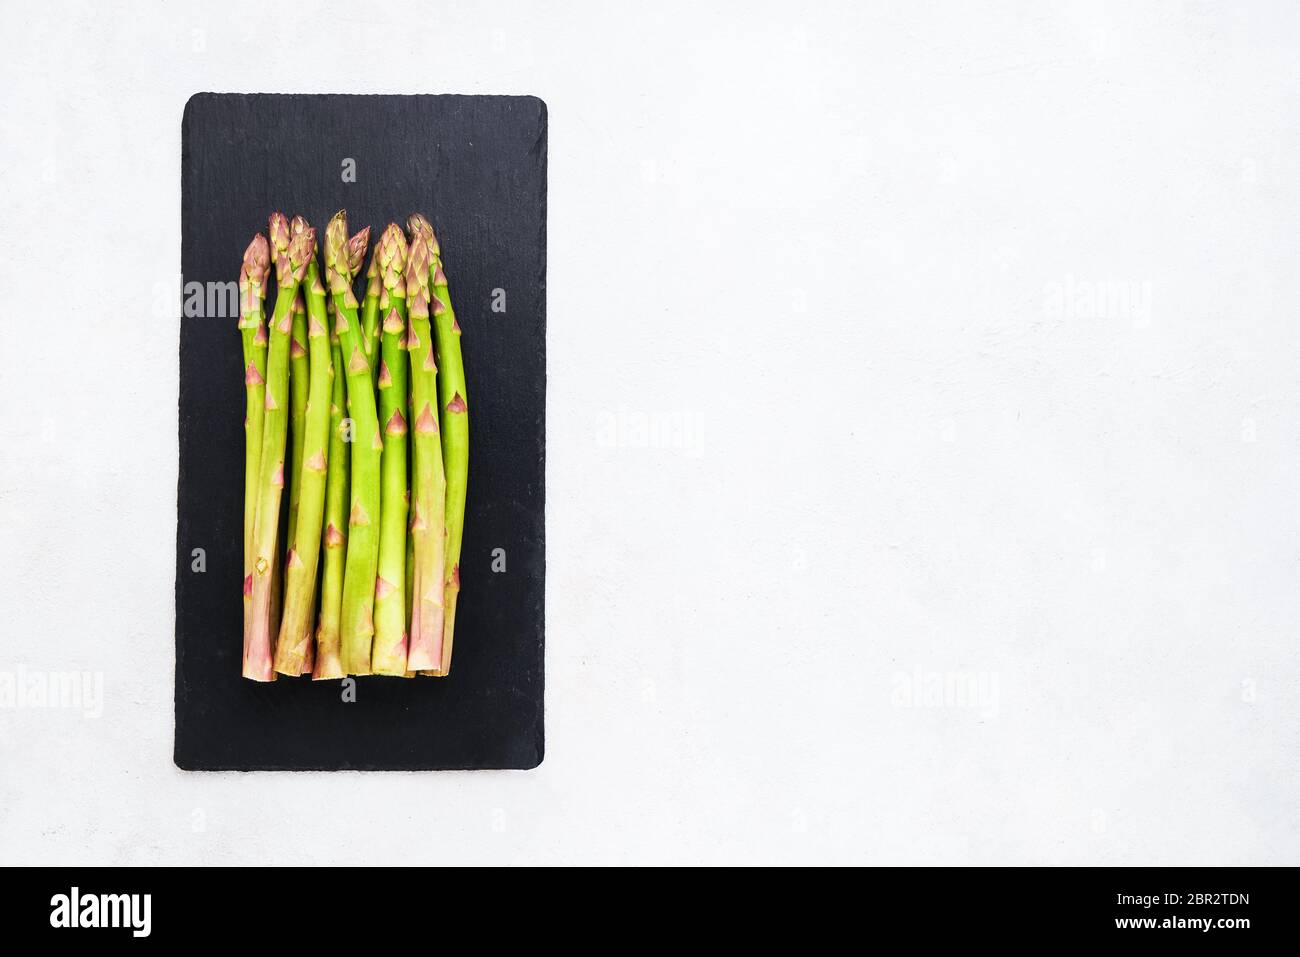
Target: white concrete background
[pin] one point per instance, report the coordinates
(825, 247)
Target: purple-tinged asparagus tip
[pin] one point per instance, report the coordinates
(302, 248)
(417, 275)
(337, 270)
(278, 227)
(252, 274)
(391, 251)
(357, 246)
(418, 224)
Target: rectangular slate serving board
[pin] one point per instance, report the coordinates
(476, 166)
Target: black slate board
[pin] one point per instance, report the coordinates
(476, 166)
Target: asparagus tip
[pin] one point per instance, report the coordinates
(337, 266)
(357, 246)
(278, 227)
(252, 275)
(418, 225)
(391, 251)
(292, 266)
(417, 274)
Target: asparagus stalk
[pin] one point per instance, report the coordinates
(299, 383)
(428, 483)
(299, 372)
(309, 659)
(334, 538)
(357, 616)
(370, 315)
(410, 590)
(389, 654)
(252, 329)
(302, 561)
(454, 414)
(290, 257)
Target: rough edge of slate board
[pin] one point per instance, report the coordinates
(386, 729)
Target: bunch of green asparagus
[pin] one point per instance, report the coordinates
(366, 578)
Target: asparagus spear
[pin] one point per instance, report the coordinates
(309, 659)
(370, 315)
(410, 590)
(389, 654)
(299, 373)
(454, 403)
(303, 557)
(252, 328)
(299, 383)
(334, 538)
(428, 483)
(357, 616)
(290, 257)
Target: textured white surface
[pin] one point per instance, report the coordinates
(862, 267)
